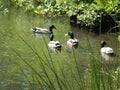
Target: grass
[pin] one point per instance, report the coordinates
(66, 71)
(51, 74)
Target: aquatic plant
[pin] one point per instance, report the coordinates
(47, 73)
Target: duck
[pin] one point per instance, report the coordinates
(106, 52)
(54, 46)
(72, 42)
(43, 30)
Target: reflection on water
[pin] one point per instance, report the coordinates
(4, 84)
(17, 23)
(8, 86)
(40, 35)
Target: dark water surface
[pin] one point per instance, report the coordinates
(17, 24)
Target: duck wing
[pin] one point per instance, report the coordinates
(41, 30)
(55, 45)
(73, 41)
(107, 50)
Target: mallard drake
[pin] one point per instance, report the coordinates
(54, 46)
(106, 52)
(43, 30)
(72, 42)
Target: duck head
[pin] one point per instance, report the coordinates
(103, 43)
(71, 34)
(51, 28)
(34, 29)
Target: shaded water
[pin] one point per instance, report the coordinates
(17, 24)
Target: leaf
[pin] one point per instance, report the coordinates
(99, 4)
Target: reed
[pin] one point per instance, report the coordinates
(99, 75)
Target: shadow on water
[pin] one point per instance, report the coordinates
(18, 23)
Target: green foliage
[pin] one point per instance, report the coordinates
(108, 5)
(86, 10)
(3, 9)
(39, 10)
(28, 5)
(61, 7)
(89, 15)
(56, 7)
(74, 9)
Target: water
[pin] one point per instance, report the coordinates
(17, 24)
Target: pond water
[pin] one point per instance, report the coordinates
(15, 32)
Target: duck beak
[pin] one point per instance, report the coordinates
(66, 34)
